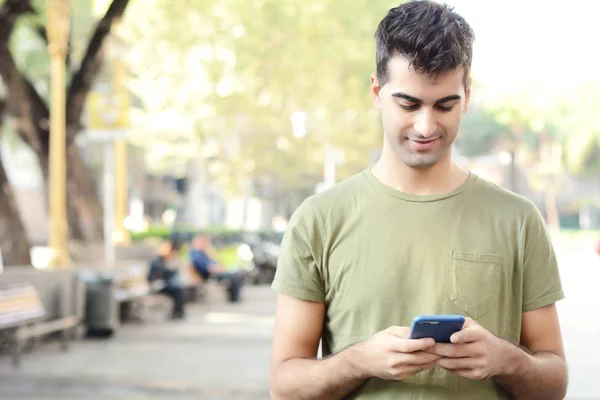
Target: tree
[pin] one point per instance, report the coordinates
(14, 245)
(526, 125)
(230, 73)
(481, 133)
(30, 109)
(580, 121)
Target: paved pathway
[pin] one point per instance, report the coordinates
(221, 351)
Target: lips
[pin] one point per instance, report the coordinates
(424, 144)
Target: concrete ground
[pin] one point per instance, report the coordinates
(221, 351)
(580, 319)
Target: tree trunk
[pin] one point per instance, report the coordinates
(32, 114)
(13, 238)
(14, 245)
(83, 196)
(73, 219)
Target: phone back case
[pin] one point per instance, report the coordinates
(439, 327)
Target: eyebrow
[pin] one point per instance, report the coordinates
(404, 96)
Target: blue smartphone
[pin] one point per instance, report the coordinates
(439, 327)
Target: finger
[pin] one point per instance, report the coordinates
(453, 350)
(455, 363)
(468, 335)
(400, 331)
(410, 370)
(412, 345)
(420, 358)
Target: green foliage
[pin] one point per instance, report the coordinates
(227, 75)
(581, 122)
(226, 235)
(480, 132)
(30, 50)
(152, 232)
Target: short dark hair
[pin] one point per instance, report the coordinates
(431, 36)
(175, 245)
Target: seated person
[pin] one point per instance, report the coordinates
(164, 269)
(208, 267)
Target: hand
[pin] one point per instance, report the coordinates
(390, 355)
(474, 353)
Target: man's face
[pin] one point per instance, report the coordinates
(420, 116)
(199, 242)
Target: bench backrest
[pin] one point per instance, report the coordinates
(131, 282)
(19, 303)
(62, 292)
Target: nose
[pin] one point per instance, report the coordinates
(425, 123)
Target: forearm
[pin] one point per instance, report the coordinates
(328, 379)
(216, 269)
(539, 376)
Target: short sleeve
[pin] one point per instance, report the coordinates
(541, 278)
(298, 271)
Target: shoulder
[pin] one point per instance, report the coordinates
(156, 262)
(501, 200)
(339, 196)
(198, 254)
(318, 214)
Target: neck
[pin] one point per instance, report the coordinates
(443, 177)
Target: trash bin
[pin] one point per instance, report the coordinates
(101, 308)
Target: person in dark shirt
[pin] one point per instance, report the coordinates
(164, 268)
(207, 267)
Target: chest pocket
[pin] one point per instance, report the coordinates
(475, 282)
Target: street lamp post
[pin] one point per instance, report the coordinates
(58, 32)
(108, 122)
(120, 145)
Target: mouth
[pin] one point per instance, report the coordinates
(424, 144)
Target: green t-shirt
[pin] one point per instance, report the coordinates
(377, 257)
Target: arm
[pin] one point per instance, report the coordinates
(299, 320)
(540, 373)
(156, 270)
(536, 371)
(204, 264)
(295, 373)
(213, 266)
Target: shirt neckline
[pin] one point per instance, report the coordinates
(382, 187)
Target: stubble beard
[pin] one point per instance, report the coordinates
(421, 160)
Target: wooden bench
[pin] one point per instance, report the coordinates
(138, 299)
(22, 318)
(193, 284)
(20, 307)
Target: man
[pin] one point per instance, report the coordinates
(207, 267)
(164, 269)
(418, 234)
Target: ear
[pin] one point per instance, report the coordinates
(467, 95)
(375, 89)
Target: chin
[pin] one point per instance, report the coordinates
(419, 162)
(421, 166)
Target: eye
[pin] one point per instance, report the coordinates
(444, 108)
(410, 108)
